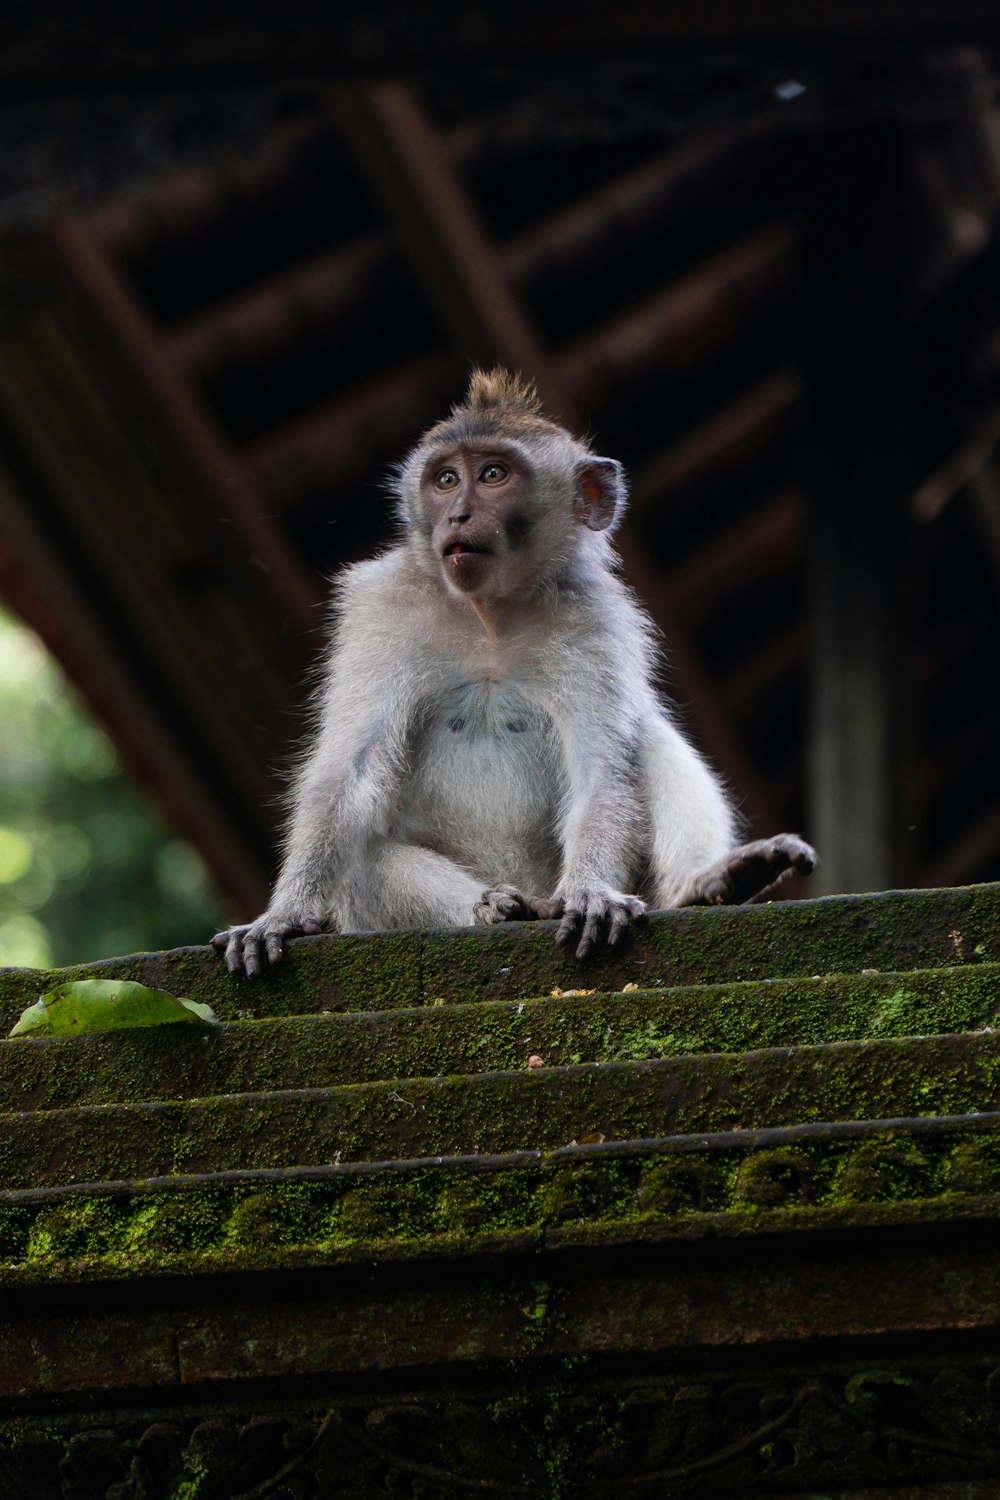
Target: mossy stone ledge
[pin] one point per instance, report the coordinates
(434, 1214)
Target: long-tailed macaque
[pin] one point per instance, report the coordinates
(489, 742)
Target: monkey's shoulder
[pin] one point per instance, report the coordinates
(372, 580)
(384, 600)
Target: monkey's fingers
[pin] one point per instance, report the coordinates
(251, 955)
(572, 918)
(505, 904)
(598, 913)
(234, 949)
(590, 915)
(630, 910)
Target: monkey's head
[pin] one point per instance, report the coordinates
(497, 498)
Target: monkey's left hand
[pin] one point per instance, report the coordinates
(246, 946)
(597, 909)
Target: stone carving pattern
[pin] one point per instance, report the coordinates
(413, 1205)
(711, 1434)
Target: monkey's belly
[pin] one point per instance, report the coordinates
(485, 788)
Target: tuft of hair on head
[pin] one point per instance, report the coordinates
(498, 388)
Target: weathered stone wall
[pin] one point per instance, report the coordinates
(736, 1235)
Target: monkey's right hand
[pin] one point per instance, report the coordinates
(597, 914)
(246, 946)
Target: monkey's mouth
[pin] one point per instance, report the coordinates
(464, 549)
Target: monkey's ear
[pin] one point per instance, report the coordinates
(600, 493)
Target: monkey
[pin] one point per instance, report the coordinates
(490, 744)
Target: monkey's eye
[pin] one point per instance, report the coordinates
(446, 480)
(494, 474)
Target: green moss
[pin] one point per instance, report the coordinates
(835, 935)
(507, 1111)
(306, 1052)
(887, 931)
(726, 1184)
(354, 972)
(768, 1179)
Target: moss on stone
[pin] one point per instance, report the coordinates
(723, 1184)
(893, 930)
(431, 1041)
(504, 1111)
(354, 972)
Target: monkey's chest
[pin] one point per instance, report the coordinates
(484, 785)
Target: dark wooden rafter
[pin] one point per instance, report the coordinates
(768, 542)
(437, 223)
(723, 440)
(335, 443)
(984, 492)
(266, 316)
(686, 321)
(55, 593)
(135, 482)
(217, 470)
(960, 469)
(63, 45)
(674, 327)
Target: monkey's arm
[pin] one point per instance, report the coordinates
(598, 823)
(349, 778)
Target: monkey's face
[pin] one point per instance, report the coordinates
(482, 515)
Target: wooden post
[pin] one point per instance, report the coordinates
(858, 476)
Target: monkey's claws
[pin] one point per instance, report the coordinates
(751, 872)
(596, 915)
(508, 904)
(246, 946)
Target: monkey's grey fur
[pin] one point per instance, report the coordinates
(494, 747)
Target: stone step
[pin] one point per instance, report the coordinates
(761, 1182)
(542, 1109)
(893, 930)
(309, 1052)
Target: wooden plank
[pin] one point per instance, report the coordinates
(687, 320)
(722, 442)
(433, 217)
(858, 459)
(56, 596)
(63, 44)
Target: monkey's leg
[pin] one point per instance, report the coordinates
(749, 873)
(397, 885)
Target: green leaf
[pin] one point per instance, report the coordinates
(106, 1005)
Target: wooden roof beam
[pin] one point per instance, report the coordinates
(675, 328)
(433, 217)
(34, 574)
(771, 540)
(67, 44)
(687, 321)
(722, 442)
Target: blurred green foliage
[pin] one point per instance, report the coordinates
(87, 868)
